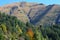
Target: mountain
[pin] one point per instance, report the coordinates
(35, 13)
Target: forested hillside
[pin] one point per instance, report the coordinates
(13, 29)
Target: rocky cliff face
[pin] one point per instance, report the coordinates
(33, 12)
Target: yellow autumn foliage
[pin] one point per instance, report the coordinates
(18, 28)
(4, 28)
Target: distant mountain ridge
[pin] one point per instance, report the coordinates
(33, 12)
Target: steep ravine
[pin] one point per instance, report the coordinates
(41, 15)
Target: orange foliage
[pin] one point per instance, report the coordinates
(30, 32)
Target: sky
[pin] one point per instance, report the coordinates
(47, 2)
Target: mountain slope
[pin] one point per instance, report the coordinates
(33, 12)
